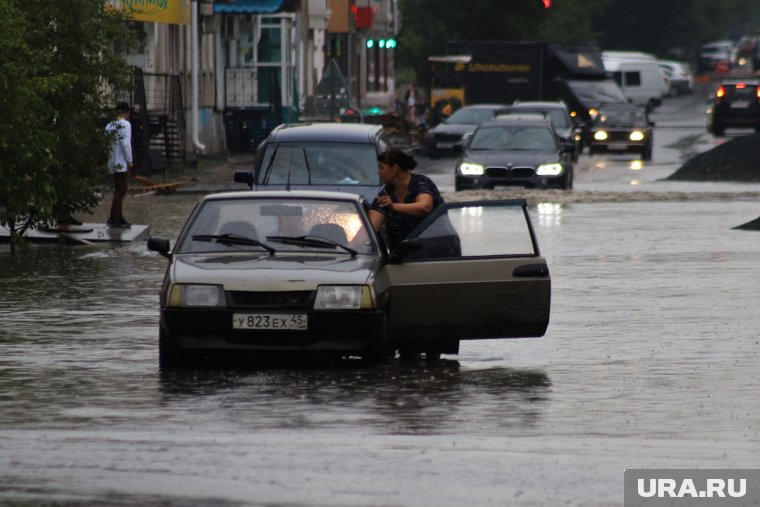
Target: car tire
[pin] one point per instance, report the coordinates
(378, 350)
(646, 153)
(567, 184)
(718, 129)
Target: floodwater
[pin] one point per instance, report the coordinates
(650, 361)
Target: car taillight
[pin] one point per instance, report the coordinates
(721, 92)
(741, 86)
(757, 92)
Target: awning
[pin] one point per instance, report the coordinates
(249, 6)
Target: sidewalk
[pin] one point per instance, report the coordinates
(212, 174)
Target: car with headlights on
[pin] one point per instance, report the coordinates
(448, 136)
(319, 156)
(622, 128)
(515, 150)
(302, 272)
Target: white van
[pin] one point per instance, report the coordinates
(641, 80)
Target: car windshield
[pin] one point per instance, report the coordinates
(470, 116)
(622, 116)
(513, 138)
(319, 163)
(275, 226)
(595, 92)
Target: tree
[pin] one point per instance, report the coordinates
(58, 75)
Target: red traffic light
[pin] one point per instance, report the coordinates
(547, 4)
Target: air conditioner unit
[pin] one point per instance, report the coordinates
(230, 28)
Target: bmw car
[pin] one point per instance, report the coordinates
(302, 272)
(622, 128)
(515, 151)
(558, 115)
(319, 156)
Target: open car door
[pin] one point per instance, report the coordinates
(471, 270)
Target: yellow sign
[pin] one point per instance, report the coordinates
(173, 12)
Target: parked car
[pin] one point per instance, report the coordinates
(622, 128)
(303, 272)
(681, 77)
(448, 136)
(736, 103)
(515, 152)
(320, 156)
(716, 56)
(559, 116)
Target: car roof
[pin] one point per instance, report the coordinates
(734, 82)
(285, 194)
(543, 104)
(340, 132)
(520, 116)
(517, 121)
(484, 106)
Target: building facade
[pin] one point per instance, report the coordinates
(257, 63)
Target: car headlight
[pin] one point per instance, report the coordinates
(183, 295)
(471, 169)
(549, 169)
(637, 135)
(600, 135)
(343, 297)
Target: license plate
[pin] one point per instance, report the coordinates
(445, 146)
(617, 146)
(739, 104)
(270, 321)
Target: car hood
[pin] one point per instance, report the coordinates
(514, 157)
(262, 272)
(459, 128)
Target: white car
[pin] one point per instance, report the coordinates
(681, 77)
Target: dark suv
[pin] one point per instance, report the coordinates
(736, 103)
(338, 157)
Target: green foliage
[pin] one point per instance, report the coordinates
(57, 75)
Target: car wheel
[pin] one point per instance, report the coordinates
(169, 355)
(718, 129)
(646, 153)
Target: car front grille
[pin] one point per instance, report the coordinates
(290, 299)
(504, 173)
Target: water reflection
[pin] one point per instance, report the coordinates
(399, 398)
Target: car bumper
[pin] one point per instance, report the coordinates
(508, 179)
(619, 146)
(337, 330)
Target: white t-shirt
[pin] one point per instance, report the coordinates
(121, 149)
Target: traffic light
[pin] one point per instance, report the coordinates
(381, 43)
(547, 4)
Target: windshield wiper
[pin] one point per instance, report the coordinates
(268, 170)
(313, 241)
(233, 239)
(308, 167)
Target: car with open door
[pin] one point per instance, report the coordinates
(278, 272)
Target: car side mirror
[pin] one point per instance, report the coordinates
(160, 245)
(244, 177)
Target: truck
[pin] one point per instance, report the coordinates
(503, 72)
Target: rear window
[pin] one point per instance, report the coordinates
(741, 92)
(319, 163)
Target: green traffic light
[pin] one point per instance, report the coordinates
(370, 43)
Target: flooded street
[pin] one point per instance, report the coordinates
(650, 361)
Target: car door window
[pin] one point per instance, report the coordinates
(477, 229)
